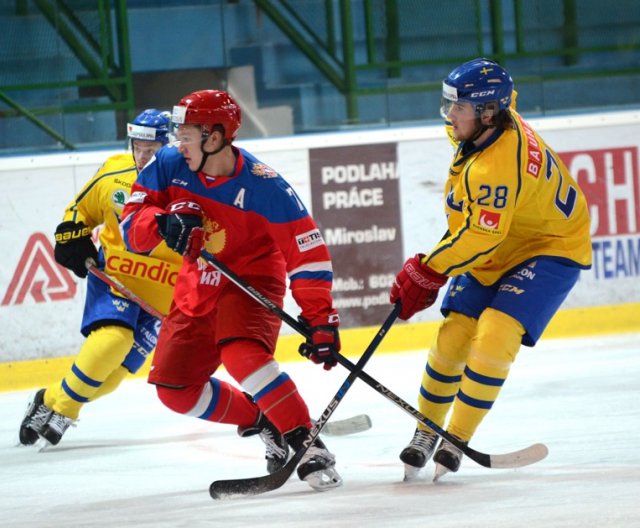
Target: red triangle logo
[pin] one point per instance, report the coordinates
(39, 275)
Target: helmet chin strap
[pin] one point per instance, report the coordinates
(481, 129)
(205, 154)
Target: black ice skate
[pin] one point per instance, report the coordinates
(35, 417)
(317, 466)
(55, 427)
(418, 452)
(276, 449)
(447, 458)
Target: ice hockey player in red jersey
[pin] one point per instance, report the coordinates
(205, 192)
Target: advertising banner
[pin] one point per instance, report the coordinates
(356, 203)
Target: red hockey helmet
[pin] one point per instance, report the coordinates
(208, 108)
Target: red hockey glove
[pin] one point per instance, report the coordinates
(416, 287)
(74, 246)
(182, 228)
(323, 342)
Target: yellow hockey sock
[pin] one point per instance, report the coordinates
(100, 356)
(111, 383)
(493, 350)
(441, 377)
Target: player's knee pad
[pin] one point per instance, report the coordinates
(243, 357)
(452, 343)
(179, 399)
(497, 341)
(103, 352)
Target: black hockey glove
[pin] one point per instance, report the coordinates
(323, 343)
(74, 246)
(182, 228)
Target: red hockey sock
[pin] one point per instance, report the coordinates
(217, 401)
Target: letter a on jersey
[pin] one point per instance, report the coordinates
(39, 275)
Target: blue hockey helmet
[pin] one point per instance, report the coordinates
(150, 125)
(479, 82)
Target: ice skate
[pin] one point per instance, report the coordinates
(317, 467)
(35, 417)
(55, 427)
(418, 453)
(447, 458)
(276, 449)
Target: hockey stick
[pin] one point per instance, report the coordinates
(523, 457)
(222, 489)
(347, 426)
(121, 289)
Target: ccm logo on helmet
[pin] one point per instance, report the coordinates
(484, 93)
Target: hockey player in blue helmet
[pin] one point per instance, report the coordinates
(518, 237)
(488, 90)
(119, 334)
(147, 133)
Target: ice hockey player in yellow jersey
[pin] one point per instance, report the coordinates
(517, 239)
(119, 334)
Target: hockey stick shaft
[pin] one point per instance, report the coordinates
(252, 486)
(528, 455)
(122, 289)
(354, 424)
(259, 297)
(523, 457)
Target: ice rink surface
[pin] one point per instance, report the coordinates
(131, 462)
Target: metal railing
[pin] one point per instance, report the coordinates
(101, 50)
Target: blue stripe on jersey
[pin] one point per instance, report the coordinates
(215, 397)
(282, 378)
(313, 275)
(84, 378)
(484, 380)
(519, 161)
(433, 398)
(453, 241)
(72, 394)
(441, 377)
(473, 402)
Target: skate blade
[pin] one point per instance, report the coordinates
(440, 472)
(324, 479)
(43, 445)
(410, 472)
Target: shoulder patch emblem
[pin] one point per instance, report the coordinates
(264, 171)
(309, 240)
(488, 221)
(119, 198)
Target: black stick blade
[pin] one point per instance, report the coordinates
(244, 487)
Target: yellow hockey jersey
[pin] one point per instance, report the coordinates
(508, 201)
(100, 203)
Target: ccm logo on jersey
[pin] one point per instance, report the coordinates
(181, 206)
(309, 240)
(488, 221)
